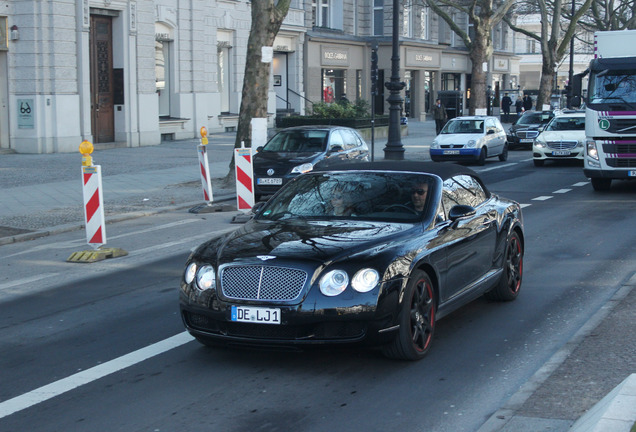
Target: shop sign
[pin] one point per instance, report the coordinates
(335, 56)
(25, 114)
(419, 58)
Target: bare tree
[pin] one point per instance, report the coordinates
(555, 36)
(267, 17)
(484, 15)
(606, 15)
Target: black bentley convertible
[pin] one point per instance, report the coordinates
(371, 253)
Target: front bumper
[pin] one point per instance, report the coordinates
(464, 154)
(551, 154)
(367, 319)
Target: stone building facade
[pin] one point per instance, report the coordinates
(136, 72)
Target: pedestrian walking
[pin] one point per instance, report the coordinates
(527, 103)
(440, 116)
(519, 106)
(506, 102)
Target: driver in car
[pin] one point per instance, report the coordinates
(418, 196)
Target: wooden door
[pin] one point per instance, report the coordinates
(101, 58)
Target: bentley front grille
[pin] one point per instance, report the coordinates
(262, 283)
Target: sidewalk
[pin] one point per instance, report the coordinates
(42, 195)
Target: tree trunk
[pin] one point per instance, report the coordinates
(479, 54)
(267, 18)
(548, 71)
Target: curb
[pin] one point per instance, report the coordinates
(499, 421)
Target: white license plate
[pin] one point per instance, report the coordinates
(561, 153)
(269, 181)
(256, 315)
(631, 173)
(526, 140)
(451, 152)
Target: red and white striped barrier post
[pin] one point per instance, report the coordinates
(204, 167)
(244, 178)
(93, 198)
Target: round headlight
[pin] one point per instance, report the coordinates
(365, 280)
(206, 277)
(190, 272)
(334, 283)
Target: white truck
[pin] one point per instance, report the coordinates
(610, 110)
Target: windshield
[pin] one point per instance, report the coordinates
(566, 124)
(464, 126)
(374, 196)
(534, 118)
(611, 86)
(298, 141)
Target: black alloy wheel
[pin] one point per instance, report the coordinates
(417, 320)
(510, 283)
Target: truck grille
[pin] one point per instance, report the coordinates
(262, 282)
(619, 147)
(622, 126)
(621, 162)
(562, 145)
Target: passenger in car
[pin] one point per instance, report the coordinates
(340, 205)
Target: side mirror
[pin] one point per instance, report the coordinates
(490, 132)
(576, 102)
(460, 212)
(259, 148)
(335, 149)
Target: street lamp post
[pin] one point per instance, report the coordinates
(394, 149)
(488, 101)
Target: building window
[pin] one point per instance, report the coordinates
(424, 17)
(451, 81)
(378, 17)
(406, 20)
(162, 75)
(320, 13)
(224, 77)
(358, 85)
(334, 84)
(531, 47)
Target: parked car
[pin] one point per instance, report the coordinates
(470, 139)
(417, 241)
(562, 138)
(523, 132)
(297, 150)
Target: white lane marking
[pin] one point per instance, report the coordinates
(541, 198)
(524, 205)
(25, 281)
(497, 167)
(526, 160)
(561, 191)
(581, 184)
(64, 385)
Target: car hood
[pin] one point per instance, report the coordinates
(287, 160)
(526, 127)
(320, 241)
(456, 138)
(578, 135)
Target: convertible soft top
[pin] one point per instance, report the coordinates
(442, 170)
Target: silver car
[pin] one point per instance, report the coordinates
(470, 139)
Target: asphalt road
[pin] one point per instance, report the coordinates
(107, 341)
